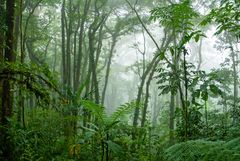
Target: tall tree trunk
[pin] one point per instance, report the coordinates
(114, 40)
(93, 65)
(2, 42)
(140, 90)
(200, 55)
(175, 61)
(68, 47)
(171, 117)
(93, 54)
(18, 28)
(164, 45)
(80, 44)
(144, 112)
(2, 24)
(235, 84)
(6, 92)
(63, 18)
(54, 62)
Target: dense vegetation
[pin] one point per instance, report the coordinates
(63, 89)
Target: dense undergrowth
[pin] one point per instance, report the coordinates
(44, 139)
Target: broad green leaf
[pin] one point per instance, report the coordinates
(215, 90)
(197, 38)
(204, 95)
(162, 55)
(172, 50)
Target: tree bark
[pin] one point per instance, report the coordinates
(200, 55)
(68, 46)
(2, 42)
(6, 145)
(2, 36)
(171, 116)
(80, 44)
(144, 113)
(114, 40)
(235, 84)
(63, 17)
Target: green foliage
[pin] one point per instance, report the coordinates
(179, 18)
(196, 126)
(199, 83)
(226, 16)
(122, 110)
(42, 140)
(103, 130)
(114, 118)
(190, 150)
(202, 84)
(37, 80)
(167, 80)
(204, 151)
(81, 129)
(176, 16)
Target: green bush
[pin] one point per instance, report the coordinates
(42, 139)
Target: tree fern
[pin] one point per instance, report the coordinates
(200, 150)
(99, 112)
(229, 151)
(105, 124)
(122, 110)
(96, 109)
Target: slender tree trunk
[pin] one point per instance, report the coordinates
(93, 54)
(80, 44)
(144, 113)
(68, 47)
(93, 66)
(175, 61)
(75, 57)
(206, 114)
(200, 55)
(235, 84)
(84, 68)
(184, 96)
(55, 56)
(156, 108)
(63, 17)
(171, 117)
(140, 89)
(143, 78)
(99, 43)
(21, 110)
(184, 111)
(114, 40)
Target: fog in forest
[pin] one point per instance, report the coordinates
(113, 80)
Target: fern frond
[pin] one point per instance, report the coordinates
(201, 150)
(190, 150)
(96, 109)
(121, 111)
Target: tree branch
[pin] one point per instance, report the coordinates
(148, 32)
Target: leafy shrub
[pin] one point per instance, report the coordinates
(42, 139)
